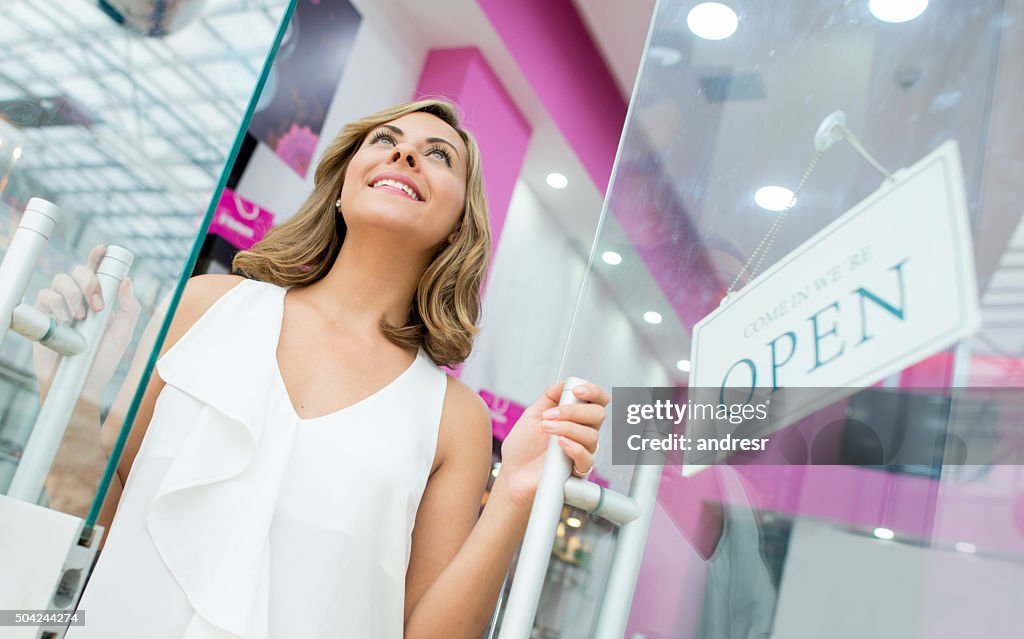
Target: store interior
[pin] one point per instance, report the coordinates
(637, 165)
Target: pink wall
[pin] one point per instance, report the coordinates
(554, 50)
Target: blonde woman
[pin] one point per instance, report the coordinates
(300, 465)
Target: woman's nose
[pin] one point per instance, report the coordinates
(404, 153)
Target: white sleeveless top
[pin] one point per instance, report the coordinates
(241, 519)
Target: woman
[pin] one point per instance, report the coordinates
(308, 470)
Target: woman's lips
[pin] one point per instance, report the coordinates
(391, 189)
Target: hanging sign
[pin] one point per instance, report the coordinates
(886, 285)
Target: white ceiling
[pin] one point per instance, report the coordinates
(619, 29)
(123, 83)
(222, 57)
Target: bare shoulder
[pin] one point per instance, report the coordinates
(463, 405)
(201, 292)
(465, 422)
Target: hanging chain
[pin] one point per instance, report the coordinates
(769, 238)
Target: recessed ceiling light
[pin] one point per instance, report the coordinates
(683, 365)
(652, 317)
(557, 181)
(611, 257)
(666, 56)
(712, 21)
(774, 198)
(884, 533)
(966, 547)
(897, 10)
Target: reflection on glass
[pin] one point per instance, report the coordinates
(122, 116)
(828, 533)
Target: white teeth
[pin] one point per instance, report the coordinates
(398, 185)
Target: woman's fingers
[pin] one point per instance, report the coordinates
(554, 392)
(52, 303)
(70, 294)
(95, 257)
(585, 436)
(588, 414)
(582, 459)
(89, 286)
(592, 393)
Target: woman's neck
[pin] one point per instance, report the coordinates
(368, 281)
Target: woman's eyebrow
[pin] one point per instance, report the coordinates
(444, 141)
(431, 140)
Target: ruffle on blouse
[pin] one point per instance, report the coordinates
(211, 514)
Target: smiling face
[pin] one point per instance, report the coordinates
(409, 177)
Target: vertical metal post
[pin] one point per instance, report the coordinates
(67, 385)
(27, 244)
(629, 547)
(535, 553)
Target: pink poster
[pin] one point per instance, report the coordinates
(504, 413)
(239, 221)
(303, 79)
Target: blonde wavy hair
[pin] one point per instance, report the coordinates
(446, 307)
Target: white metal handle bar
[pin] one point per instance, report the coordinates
(39, 327)
(598, 500)
(22, 254)
(67, 384)
(535, 552)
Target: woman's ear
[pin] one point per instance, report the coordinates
(454, 234)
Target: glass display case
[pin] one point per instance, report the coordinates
(118, 126)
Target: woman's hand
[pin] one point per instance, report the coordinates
(67, 298)
(576, 425)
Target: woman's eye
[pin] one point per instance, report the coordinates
(382, 136)
(441, 154)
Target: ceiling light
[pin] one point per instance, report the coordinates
(573, 522)
(666, 56)
(774, 198)
(557, 180)
(652, 317)
(897, 10)
(611, 257)
(966, 547)
(884, 533)
(712, 21)
(683, 365)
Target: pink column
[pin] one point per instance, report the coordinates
(463, 76)
(554, 50)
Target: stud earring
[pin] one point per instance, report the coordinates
(337, 203)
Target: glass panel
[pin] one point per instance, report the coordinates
(124, 121)
(827, 540)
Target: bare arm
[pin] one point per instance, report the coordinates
(456, 569)
(458, 562)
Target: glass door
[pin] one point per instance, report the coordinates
(825, 533)
(118, 125)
